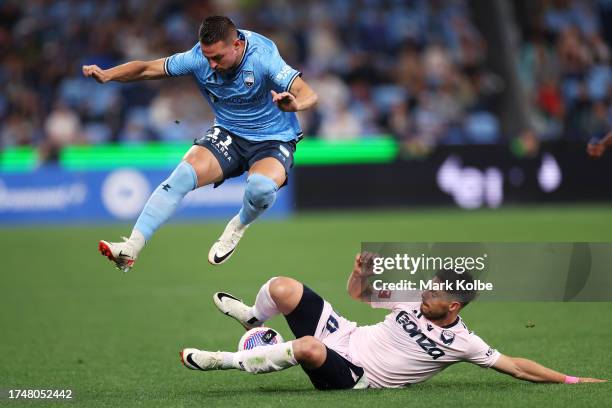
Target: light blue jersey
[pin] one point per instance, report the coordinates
(243, 103)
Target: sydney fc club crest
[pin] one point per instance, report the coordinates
(447, 337)
(249, 78)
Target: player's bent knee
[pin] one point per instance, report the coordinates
(283, 288)
(260, 191)
(309, 351)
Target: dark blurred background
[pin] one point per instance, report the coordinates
(426, 72)
(514, 89)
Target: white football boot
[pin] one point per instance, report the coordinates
(195, 359)
(224, 247)
(234, 307)
(122, 254)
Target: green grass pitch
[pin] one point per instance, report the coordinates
(69, 320)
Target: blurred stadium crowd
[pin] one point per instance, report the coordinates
(565, 69)
(415, 69)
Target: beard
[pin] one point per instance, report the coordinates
(431, 315)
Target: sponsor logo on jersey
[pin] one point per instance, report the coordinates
(283, 73)
(410, 327)
(259, 98)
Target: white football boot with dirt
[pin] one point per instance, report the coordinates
(122, 254)
(233, 307)
(224, 247)
(195, 359)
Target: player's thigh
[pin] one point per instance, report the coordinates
(306, 316)
(271, 168)
(338, 373)
(286, 293)
(205, 164)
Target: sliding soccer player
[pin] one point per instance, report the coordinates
(415, 341)
(254, 95)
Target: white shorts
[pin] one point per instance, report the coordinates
(334, 331)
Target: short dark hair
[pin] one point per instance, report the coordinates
(463, 296)
(217, 28)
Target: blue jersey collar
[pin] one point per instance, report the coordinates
(235, 72)
(243, 37)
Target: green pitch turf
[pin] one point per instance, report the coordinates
(71, 321)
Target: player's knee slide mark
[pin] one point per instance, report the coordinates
(166, 198)
(259, 195)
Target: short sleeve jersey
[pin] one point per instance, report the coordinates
(407, 348)
(242, 101)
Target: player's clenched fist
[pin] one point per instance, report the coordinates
(364, 264)
(96, 73)
(285, 101)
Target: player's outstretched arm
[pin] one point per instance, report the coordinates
(130, 71)
(527, 370)
(300, 97)
(357, 285)
(597, 149)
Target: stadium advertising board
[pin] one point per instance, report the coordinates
(468, 177)
(60, 196)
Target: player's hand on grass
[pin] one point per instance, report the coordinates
(96, 73)
(590, 380)
(285, 101)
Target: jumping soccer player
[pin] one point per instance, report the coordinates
(415, 341)
(254, 95)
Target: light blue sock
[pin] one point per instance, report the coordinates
(259, 195)
(165, 199)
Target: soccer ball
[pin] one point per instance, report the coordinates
(259, 336)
